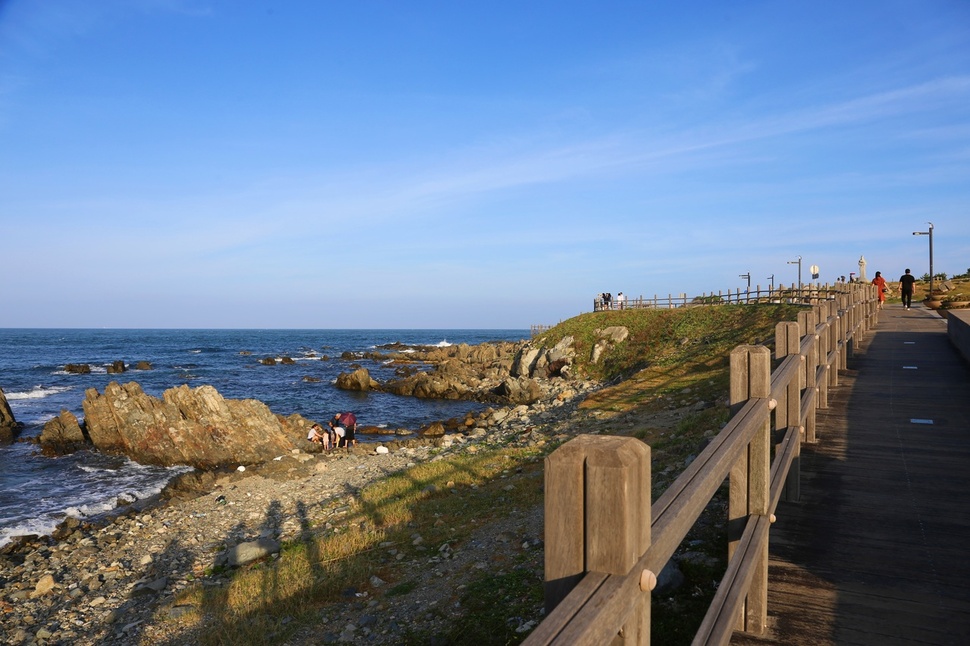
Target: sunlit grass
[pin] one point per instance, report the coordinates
(442, 501)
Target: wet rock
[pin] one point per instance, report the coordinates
(359, 380)
(9, 428)
(116, 367)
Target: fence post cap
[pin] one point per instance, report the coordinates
(648, 581)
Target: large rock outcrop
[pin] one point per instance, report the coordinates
(9, 428)
(197, 427)
(502, 372)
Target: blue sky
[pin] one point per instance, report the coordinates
(191, 163)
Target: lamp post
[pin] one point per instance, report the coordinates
(930, 234)
(747, 292)
(772, 279)
(799, 263)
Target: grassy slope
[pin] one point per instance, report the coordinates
(667, 385)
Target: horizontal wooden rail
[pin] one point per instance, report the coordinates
(758, 450)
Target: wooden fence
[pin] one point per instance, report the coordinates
(806, 294)
(605, 542)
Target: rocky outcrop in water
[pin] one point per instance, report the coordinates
(501, 372)
(359, 379)
(9, 428)
(63, 434)
(197, 427)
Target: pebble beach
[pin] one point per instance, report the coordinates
(117, 581)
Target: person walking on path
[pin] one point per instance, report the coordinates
(880, 284)
(907, 282)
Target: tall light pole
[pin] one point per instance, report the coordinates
(930, 234)
(747, 292)
(799, 263)
(772, 279)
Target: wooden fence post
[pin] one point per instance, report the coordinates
(750, 476)
(807, 326)
(788, 412)
(851, 317)
(838, 336)
(597, 517)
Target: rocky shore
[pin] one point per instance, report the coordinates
(118, 580)
(115, 581)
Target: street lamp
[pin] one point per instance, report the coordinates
(772, 279)
(930, 234)
(799, 263)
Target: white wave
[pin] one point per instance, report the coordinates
(443, 344)
(195, 351)
(92, 509)
(89, 469)
(38, 526)
(38, 392)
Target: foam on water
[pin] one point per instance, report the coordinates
(38, 392)
(86, 491)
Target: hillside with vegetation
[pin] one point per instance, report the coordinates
(456, 540)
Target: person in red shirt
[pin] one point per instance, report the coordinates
(880, 283)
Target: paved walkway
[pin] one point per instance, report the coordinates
(877, 551)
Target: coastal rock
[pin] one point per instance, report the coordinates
(8, 425)
(116, 368)
(62, 435)
(359, 379)
(251, 551)
(195, 427)
(608, 338)
(78, 368)
(44, 586)
(525, 361)
(494, 372)
(520, 391)
(544, 363)
(435, 429)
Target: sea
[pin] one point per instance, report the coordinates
(38, 492)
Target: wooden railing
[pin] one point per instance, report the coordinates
(807, 294)
(537, 329)
(605, 542)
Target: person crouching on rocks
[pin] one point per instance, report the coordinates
(347, 422)
(338, 433)
(318, 436)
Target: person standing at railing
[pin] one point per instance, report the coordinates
(880, 283)
(907, 283)
(620, 300)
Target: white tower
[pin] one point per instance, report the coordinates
(862, 269)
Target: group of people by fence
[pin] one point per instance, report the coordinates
(606, 301)
(340, 432)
